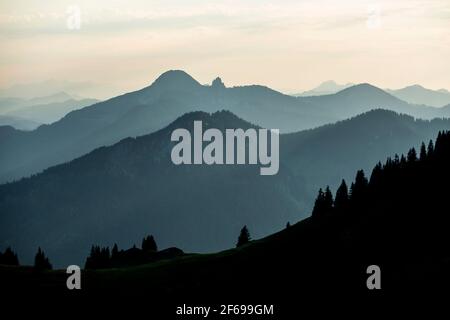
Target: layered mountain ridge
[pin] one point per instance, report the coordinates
(125, 191)
(175, 93)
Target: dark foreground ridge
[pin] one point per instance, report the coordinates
(397, 220)
(117, 194)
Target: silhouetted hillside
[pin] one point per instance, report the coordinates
(396, 219)
(119, 193)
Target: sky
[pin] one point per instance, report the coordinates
(291, 46)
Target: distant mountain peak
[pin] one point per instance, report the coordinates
(175, 78)
(380, 112)
(367, 90)
(218, 83)
(418, 94)
(326, 87)
(363, 87)
(418, 86)
(413, 87)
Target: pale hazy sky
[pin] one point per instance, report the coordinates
(288, 45)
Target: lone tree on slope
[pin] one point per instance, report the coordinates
(244, 237)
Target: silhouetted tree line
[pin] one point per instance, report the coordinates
(398, 218)
(346, 199)
(9, 258)
(398, 185)
(99, 258)
(41, 261)
(356, 197)
(149, 244)
(102, 257)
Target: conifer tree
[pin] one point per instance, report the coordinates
(99, 258)
(423, 152)
(244, 237)
(341, 201)
(359, 187)
(328, 200)
(378, 169)
(149, 244)
(9, 258)
(115, 256)
(402, 160)
(412, 155)
(323, 203)
(396, 159)
(105, 257)
(114, 251)
(319, 203)
(430, 149)
(41, 262)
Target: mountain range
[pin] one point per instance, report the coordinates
(175, 93)
(10, 104)
(414, 94)
(51, 112)
(327, 87)
(130, 189)
(363, 97)
(28, 114)
(50, 87)
(18, 123)
(417, 94)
